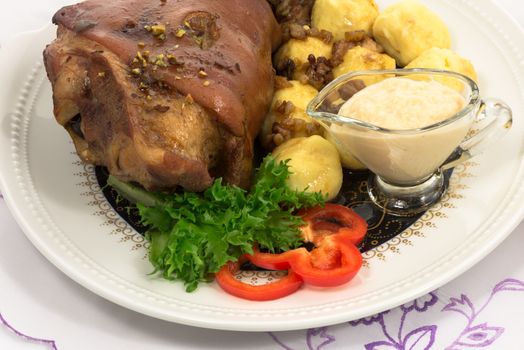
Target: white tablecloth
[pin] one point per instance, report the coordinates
(41, 308)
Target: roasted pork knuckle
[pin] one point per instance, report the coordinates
(164, 93)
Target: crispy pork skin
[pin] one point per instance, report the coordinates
(165, 93)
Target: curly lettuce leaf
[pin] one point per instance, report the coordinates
(193, 235)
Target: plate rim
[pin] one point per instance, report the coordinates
(60, 263)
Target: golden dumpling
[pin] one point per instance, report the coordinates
(340, 16)
(409, 28)
(314, 164)
(445, 59)
(298, 51)
(361, 58)
(299, 95)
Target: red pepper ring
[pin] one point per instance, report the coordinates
(270, 291)
(334, 261)
(329, 265)
(333, 219)
(335, 229)
(343, 263)
(273, 261)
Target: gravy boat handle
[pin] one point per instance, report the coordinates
(494, 120)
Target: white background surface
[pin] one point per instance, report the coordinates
(39, 300)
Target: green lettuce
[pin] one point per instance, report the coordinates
(193, 235)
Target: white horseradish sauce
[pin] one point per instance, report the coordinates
(400, 156)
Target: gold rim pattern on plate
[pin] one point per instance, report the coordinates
(102, 208)
(419, 229)
(428, 221)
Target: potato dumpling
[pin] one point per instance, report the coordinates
(340, 16)
(299, 95)
(361, 58)
(408, 28)
(445, 59)
(299, 50)
(314, 164)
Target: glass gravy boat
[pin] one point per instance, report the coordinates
(407, 164)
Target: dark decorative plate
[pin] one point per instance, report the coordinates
(382, 227)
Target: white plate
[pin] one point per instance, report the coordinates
(58, 203)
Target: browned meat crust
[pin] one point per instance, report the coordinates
(164, 93)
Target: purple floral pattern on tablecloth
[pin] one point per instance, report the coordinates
(3, 323)
(316, 339)
(479, 335)
(50, 343)
(475, 335)
(419, 338)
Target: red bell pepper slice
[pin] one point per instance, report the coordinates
(329, 265)
(333, 219)
(335, 260)
(270, 291)
(273, 261)
(335, 229)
